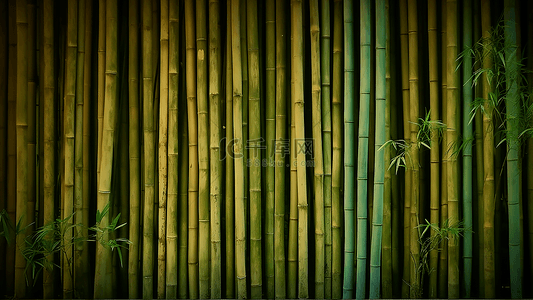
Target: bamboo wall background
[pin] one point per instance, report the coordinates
(242, 143)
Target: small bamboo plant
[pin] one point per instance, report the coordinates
(50, 239)
(430, 237)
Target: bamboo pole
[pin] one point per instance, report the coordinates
(240, 233)
(453, 127)
(363, 138)
(325, 76)
(318, 164)
(173, 150)
(193, 149)
(336, 221)
(254, 144)
(245, 102)
(530, 150)
(377, 220)
(183, 201)
(270, 137)
(387, 288)
(48, 134)
(404, 45)
(102, 286)
(68, 140)
(467, 152)
(280, 160)
(84, 271)
(349, 160)
(230, 167)
(414, 247)
(79, 278)
(134, 151)
(434, 151)
(100, 83)
(203, 149)
(512, 104)
(215, 135)
(488, 163)
(163, 148)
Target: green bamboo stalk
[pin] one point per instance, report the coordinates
(349, 160)
(68, 139)
(292, 255)
(230, 174)
(254, 111)
(203, 149)
(512, 104)
(193, 149)
(173, 150)
(238, 129)
(80, 279)
(11, 135)
(270, 108)
(103, 271)
(149, 150)
(325, 76)
(488, 163)
(404, 44)
(336, 221)
(86, 189)
(183, 201)
(48, 134)
(215, 135)
(245, 100)
(100, 83)
(297, 77)
(530, 148)
(317, 150)
(280, 160)
(453, 126)
(434, 151)
(442, 290)
(387, 287)
(163, 148)
(134, 151)
(363, 138)
(377, 220)
(467, 151)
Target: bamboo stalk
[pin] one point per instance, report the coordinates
(292, 255)
(254, 144)
(48, 134)
(488, 163)
(512, 104)
(149, 150)
(318, 164)
(102, 286)
(79, 278)
(325, 76)
(280, 160)
(173, 150)
(240, 233)
(404, 45)
(379, 179)
(215, 135)
(530, 150)
(270, 107)
(453, 126)
(349, 162)
(203, 149)
(134, 151)
(230, 174)
(4, 50)
(163, 148)
(101, 82)
(183, 201)
(193, 149)
(245, 100)
(467, 152)
(363, 138)
(336, 221)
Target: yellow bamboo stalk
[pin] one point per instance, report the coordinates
(163, 150)
(193, 148)
(100, 83)
(22, 140)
